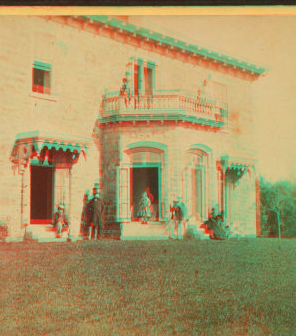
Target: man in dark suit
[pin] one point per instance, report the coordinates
(96, 208)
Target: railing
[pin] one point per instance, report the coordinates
(173, 101)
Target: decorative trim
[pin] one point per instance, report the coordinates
(163, 117)
(31, 144)
(128, 33)
(153, 37)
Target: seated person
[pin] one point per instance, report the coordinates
(60, 220)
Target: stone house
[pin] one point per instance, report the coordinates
(96, 99)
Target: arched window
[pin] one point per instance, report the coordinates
(197, 178)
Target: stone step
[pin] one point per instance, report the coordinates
(48, 231)
(138, 231)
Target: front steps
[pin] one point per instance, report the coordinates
(138, 231)
(46, 233)
(135, 230)
(197, 230)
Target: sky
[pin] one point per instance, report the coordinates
(263, 40)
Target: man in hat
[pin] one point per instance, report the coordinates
(178, 211)
(96, 207)
(60, 220)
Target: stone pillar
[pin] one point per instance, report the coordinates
(165, 191)
(15, 225)
(26, 201)
(258, 221)
(26, 186)
(76, 199)
(141, 83)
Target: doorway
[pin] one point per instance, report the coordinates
(41, 195)
(141, 179)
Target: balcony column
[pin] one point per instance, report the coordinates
(26, 186)
(141, 83)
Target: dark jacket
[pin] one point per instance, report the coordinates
(95, 210)
(177, 212)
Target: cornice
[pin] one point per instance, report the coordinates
(131, 34)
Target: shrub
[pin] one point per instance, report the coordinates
(3, 229)
(222, 228)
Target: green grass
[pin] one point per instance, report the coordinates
(235, 287)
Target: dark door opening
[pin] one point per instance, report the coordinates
(41, 195)
(141, 179)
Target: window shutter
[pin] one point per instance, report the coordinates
(123, 192)
(188, 188)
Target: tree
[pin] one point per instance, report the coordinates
(278, 208)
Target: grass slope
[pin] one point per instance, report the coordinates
(244, 287)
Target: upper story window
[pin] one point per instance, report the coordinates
(41, 81)
(220, 91)
(144, 77)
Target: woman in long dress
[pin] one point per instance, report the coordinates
(144, 208)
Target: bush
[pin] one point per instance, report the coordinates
(3, 229)
(216, 223)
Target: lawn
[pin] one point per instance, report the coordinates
(235, 287)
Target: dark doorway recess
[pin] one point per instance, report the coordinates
(141, 179)
(41, 195)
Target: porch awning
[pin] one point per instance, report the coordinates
(27, 142)
(236, 163)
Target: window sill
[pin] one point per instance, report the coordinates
(44, 96)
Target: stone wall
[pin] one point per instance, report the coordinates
(84, 65)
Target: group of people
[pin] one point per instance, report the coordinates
(92, 218)
(177, 225)
(93, 222)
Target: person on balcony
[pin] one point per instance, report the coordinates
(124, 91)
(60, 220)
(144, 208)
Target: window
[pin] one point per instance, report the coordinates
(41, 82)
(144, 76)
(220, 92)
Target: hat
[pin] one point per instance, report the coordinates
(61, 206)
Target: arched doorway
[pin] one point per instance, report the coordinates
(142, 169)
(145, 175)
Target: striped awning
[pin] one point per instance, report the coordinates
(28, 142)
(236, 163)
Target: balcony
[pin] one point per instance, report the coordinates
(163, 105)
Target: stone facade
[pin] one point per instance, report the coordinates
(83, 74)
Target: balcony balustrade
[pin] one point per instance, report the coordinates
(163, 103)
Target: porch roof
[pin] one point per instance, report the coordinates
(237, 163)
(37, 140)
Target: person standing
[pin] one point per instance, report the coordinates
(144, 208)
(177, 211)
(96, 208)
(150, 196)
